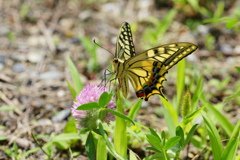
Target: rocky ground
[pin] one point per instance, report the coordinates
(36, 37)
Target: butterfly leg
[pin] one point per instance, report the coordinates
(105, 77)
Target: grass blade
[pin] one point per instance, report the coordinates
(225, 124)
(231, 149)
(215, 139)
(75, 75)
(180, 80)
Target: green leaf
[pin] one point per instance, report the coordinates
(2, 127)
(101, 149)
(166, 22)
(219, 10)
(152, 149)
(230, 24)
(217, 20)
(180, 80)
(3, 138)
(172, 142)
(97, 131)
(163, 137)
(28, 152)
(189, 135)
(238, 68)
(132, 155)
(62, 144)
(88, 106)
(225, 124)
(120, 115)
(155, 156)
(152, 35)
(231, 149)
(109, 97)
(197, 93)
(84, 130)
(73, 92)
(180, 133)
(90, 147)
(70, 127)
(216, 143)
(234, 95)
(232, 146)
(7, 108)
(65, 136)
(154, 133)
(75, 76)
(154, 141)
(134, 109)
(109, 144)
(170, 115)
(104, 99)
(91, 48)
(190, 117)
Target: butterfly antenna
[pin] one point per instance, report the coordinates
(102, 47)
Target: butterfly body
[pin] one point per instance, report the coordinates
(146, 71)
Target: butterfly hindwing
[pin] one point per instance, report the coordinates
(147, 70)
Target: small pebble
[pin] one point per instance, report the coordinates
(111, 8)
(226, 49)
(73, 40)
(44, 122)
(35, 57)
(2, 59)
(3, 30)
(49, 107)
(18, 67)
(202, 29)
(61, 93)
(237, 49)
(87, 14)
(61, 115)
(50, 75)
(1, 66)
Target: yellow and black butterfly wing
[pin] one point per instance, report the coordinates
(124, 51)
(125, 47)
(146, 71)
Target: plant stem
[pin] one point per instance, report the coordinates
(120, 133)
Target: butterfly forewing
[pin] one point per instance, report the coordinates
(125, 47)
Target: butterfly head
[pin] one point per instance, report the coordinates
(117, 62)
(117, 65)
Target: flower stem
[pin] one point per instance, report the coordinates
(101, 149)
(120, 134)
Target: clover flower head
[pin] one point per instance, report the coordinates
(88, 119)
